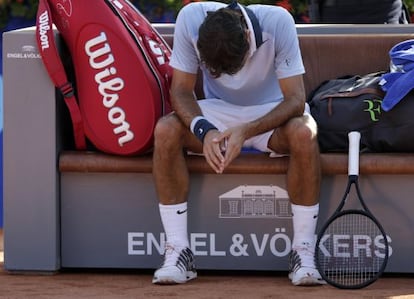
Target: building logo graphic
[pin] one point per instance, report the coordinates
(249, 201)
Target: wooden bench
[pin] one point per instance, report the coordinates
(72, 209)
(325, 56)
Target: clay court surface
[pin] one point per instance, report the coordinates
(115, 284)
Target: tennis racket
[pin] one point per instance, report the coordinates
(352, 248)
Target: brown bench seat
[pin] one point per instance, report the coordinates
(247, 163)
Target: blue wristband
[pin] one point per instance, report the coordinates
(201, 127)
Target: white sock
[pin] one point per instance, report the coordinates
(304, 225)
(174, 220)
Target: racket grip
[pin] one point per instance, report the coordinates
(354, 138)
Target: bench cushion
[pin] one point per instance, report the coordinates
(247, 163)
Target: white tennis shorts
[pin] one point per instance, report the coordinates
(226, 115)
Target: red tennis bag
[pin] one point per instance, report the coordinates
(121, 66)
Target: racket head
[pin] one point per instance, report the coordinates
(351, 250)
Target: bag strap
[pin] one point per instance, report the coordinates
(253, 19)
(143, 32)
(54, 66)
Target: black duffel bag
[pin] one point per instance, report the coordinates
(354, 103)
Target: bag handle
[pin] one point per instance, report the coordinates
(54, 66)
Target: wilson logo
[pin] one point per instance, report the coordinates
(101, 58)
(44, 27)
(157, 51)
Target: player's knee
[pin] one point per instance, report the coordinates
(167, 131)
(302, 134)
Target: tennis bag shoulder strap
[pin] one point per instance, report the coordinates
(121, 66)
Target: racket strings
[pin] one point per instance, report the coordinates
(350, 252)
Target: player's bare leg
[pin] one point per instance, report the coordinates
(172, 184)
(298, 139)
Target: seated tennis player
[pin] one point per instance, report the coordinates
(254, 98)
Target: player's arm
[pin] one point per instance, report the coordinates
(183, 99)
(293, 105)
(185, 106)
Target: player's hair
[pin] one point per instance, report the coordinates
(222, 41)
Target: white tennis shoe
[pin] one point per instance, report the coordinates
(302, 269)
(178, 266)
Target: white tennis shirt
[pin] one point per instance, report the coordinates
(257, 82)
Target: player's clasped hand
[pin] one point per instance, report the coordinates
(213, 152)
(221, 148)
